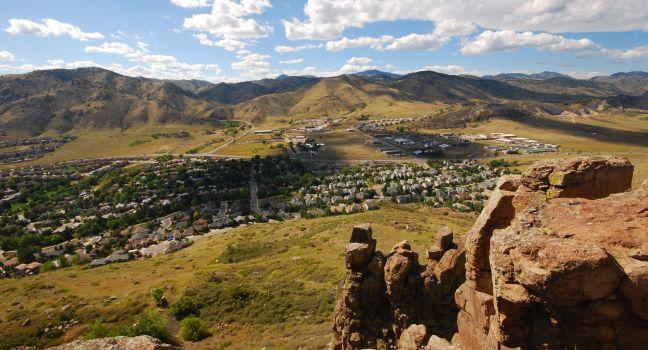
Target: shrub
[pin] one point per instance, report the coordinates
(193, 329)
(158, 296)
(152, 323)
(183, 308)
(100, 330)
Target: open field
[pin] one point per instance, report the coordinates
(345, 145)
(133, 141)
(595, 135)
(289, 273)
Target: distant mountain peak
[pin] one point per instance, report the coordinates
(372, 73)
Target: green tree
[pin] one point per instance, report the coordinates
(152, 323)
(193, 329)
(183, 308)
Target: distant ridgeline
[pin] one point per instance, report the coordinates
(62, 100)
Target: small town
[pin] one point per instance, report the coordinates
(106, 211)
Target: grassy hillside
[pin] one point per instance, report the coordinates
(94, 98)
(267, 285)
(134, 141)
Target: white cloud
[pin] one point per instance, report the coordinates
(147, 64)
(295, 61)
(442, 33)
(328, 19)
(585, 75)
(6, 56)
(506, 40)
(230, 19)
(112, 47)
(447, 69)
(346, 43)
(231, 45)
(285, 49)
(253, 66)
(359, 60)
(191, 3)
(49, 27)
(636, 52)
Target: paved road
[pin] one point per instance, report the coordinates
(215, 150)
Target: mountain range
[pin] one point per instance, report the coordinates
(62, 100)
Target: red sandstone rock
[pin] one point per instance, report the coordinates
(413, 338)
(555, 261)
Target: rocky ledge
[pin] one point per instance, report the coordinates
(142, 342)
(393, 301)
(558, 259)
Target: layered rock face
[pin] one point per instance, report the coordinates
(558, 259)
(390, 297)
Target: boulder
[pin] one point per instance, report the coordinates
(357, 256)
(438, 343)
(142, 342)
(413, 338)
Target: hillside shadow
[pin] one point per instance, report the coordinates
(595, 132)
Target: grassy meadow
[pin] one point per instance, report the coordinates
(266, 285)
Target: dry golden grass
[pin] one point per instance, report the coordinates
(133, 141)
(616, 135)
(310, 255)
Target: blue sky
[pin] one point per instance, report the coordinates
(233, 40)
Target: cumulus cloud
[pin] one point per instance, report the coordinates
(295, 61)
(49, 27)
(231, 45)
(328, 19)
(636, 52)
(344, 43)
(229, 19)
(443, 32)
(191, 3)
(6, 56)
(253, 66)
(285, 49)
(359, 60)
(586, 75)
(447, 69)
(146, 64)
(506, 40)
(111, 47)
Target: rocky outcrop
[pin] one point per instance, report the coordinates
(558, 259)
(393, 301)
(142, 342)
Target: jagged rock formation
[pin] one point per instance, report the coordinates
(390, 297)
(557, 260)
(142, 342)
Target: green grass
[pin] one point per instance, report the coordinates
(277, 292)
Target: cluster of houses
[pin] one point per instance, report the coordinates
(107, 211)
(506, 143)
(462, 186)
(152, 208)
(377, 124)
